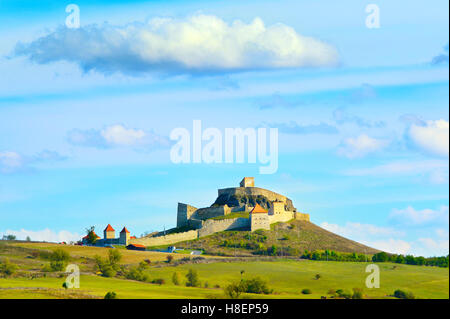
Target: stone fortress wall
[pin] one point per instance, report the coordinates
(281, 210)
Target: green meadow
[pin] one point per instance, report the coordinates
(286, 277)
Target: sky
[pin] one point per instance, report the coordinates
(86, 113)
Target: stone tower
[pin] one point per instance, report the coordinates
(109, 232)
(247, 182)
(259, 218)
(124, 236)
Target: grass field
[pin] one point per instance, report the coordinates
(287, 277)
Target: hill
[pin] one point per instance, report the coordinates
(289, 239)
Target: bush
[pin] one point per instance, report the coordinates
(255, 286)
(343, 294)
(317, 276)
(136, 273)
(111, 295)
(233, 290)
(159, 281)
(7, 268)
(169, 258)
(306, 291)
(176, 278)
(192, 279)
(403, 294)
(357, 293)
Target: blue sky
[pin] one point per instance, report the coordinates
(362, 113)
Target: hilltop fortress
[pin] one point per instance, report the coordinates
(240, 208)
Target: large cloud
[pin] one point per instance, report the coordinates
(432, 136)
(198, 44)
(44, 235)
(360, 146)
(411, 216)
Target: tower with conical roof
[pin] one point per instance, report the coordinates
(124, 236)
(109, 232)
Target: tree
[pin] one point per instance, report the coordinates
(114, 257)
(169, 258)
(192, 278)
(176, 278)
(28, 238)
(111, 295)
(317, 276)
(59, 259)
(380, 257)
(234, 290)
(9, 237)
(91, 236)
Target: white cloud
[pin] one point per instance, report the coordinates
(359, 231)
(117, 136)
(11, 162)
(433, 136)
(435, 170)
(44, 235)
(411, 216)
(394, 246)
(387, 239)
(197, 44)
(360, 146)
(120, 135)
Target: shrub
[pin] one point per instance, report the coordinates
(136, 273)
(59, 259)
(357, 293)
(206, 285)
(192, 278)
(176, 278)
(159, 281)
(343, 294)
(111, 295)
(233, 290)
(114, 257)
(306, 291)
(169, 258)
(317, 276)
(255, 286)
(403, 294)
(7, 268)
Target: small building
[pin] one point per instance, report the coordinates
(136, 247)
(259, 218)
(247, 182)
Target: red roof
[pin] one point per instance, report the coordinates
(109, 228)
(124, 230)
(258, 210)
(86, 237)
(133, 237)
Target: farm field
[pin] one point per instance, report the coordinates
(287, 278)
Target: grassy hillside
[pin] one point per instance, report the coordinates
(286, 277)
(291, 238)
